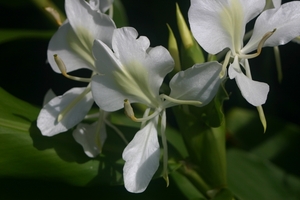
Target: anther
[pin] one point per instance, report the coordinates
(260, 45)
(62, 67)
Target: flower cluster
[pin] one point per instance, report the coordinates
(218, 25)
(125, 70)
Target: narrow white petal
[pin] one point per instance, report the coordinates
(276, 3)
(91, 137)
(198, 83)
(284, 19)
(220, 24)
(253, 91)
(47, 119)
(141, 158)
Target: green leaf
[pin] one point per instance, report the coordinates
(25, 153)
(119, 16)
(250, 177)
(7, 35)
(186, 187)
(206, 148)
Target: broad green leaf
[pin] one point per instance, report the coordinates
(250, 177)
(25, 153)
(7, 35)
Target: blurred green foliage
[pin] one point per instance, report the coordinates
(260, 166)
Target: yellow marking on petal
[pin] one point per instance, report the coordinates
(81, 42)
(133, 79)
(65, 111)
(232, 19)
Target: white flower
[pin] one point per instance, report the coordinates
(133, 73)
(74, 39)
(70, 49)
(220, 24)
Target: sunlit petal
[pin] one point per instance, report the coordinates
(141, 158)
(284, 19)
(89, 24)
(217, 25)
(253, 91)
(200, 82)
(132, 70)
(47, 120)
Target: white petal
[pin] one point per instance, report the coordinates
(134, 71)
(148, 65)
(253, 91)
(105, 5)
(47, 119)
(91, 137)
(199, 83)
(276, 3)
(89, 24)
(106, 91)
(74, 39)
(101, 5)
(285, 20)
(141, 158)
(48, 96)
(217, 25)
(66, 44)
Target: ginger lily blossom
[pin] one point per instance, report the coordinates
(73, 40)
(220, 24)
(133, 73)
(70, 49)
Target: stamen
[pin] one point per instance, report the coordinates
(62, 67)
(165, 147)
(54, 14)
(91, 116)
(63, 113)
(122, 136)
(130, 113)
(178, 101)
(146, 113)
(260, 45)
(225, 63)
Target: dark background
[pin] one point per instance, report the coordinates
(25, 73)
